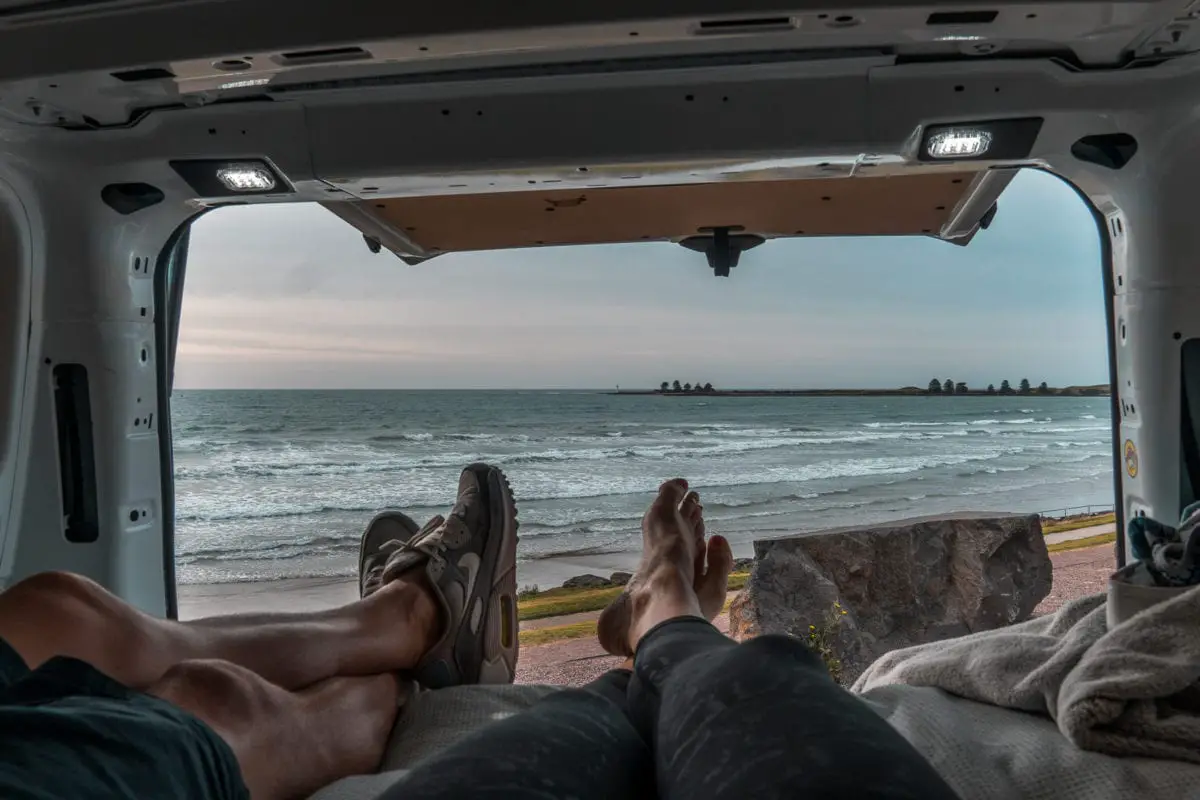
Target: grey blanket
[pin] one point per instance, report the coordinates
(1133, 690)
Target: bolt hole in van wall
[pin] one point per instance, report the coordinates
(318, 380)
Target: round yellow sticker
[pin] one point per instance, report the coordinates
(1131, 458)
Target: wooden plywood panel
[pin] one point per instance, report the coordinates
(894, 205)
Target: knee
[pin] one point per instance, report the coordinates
(777, 649)
(64, 614)
(58, 602)
(204, 679)
(57, 589)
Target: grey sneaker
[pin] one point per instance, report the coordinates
(470, 559)
(385, 534)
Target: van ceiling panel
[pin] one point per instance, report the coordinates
(888, 206)
(1094, 31)
(41, 38)
(68, 62)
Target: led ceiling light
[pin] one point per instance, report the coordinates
(958, 143)
(232, 177)
(246, 178)
(979, 140)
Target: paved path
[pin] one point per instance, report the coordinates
(563, 619)
(1080, 533)
(1078, 573)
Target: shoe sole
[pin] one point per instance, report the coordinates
(500, 629)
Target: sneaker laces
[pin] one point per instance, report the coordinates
(430, 543)
(385, 556)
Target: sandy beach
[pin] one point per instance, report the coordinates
(309, 594)
(314, 594)
(293, 594)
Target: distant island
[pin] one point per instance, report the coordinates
(936, 388)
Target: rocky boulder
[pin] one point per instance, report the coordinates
(900, 583)
(585, 582)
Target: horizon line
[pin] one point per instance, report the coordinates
(622, 387)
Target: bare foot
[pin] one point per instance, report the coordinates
(672, 579)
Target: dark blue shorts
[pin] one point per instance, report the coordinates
(68, 731)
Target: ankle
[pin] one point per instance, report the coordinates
(666, 593)
(667, 578)
(410, 605)
(368, 706)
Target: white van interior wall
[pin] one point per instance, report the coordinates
(83, 384)
(90, 325)
(1149, 220)
(15, 295)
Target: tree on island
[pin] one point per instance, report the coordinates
(698, 386)
(1043, 388)
(960, 388)
(1005, 388)
(664, 387)
(687, 387)
(675, 387)
(948, 387)
(1024, 385)
(708, 387)
(991, 388)
(935, 386)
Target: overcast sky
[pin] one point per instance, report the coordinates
(290, 297)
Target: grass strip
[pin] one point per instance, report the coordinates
(557, 633)
(573, 630)
(1077, 523)
(560, 602)
(1079, 544)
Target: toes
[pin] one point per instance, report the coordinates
(693, 514)
(713, 584)
(670, 497)
(720, 558)
(672, 492)
(697, 519)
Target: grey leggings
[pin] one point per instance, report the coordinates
(700, 717)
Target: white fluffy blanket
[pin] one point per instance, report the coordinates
(1133, 690)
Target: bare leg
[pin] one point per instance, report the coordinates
(55, 613)
(288, 744)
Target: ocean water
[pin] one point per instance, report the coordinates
(278, 484)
